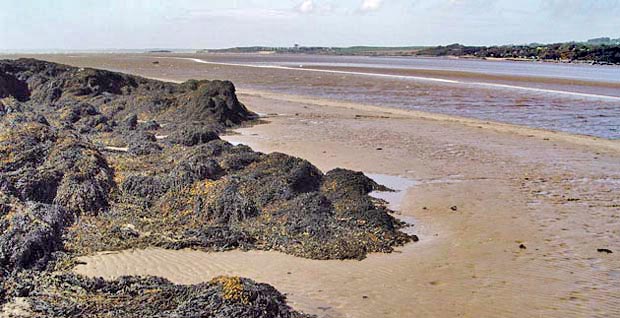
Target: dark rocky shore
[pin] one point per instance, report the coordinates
(92, 160)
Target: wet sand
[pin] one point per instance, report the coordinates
(554, 193)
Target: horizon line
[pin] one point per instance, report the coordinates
(95, 50)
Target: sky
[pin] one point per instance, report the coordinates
(195, 24)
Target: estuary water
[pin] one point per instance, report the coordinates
(574, 98)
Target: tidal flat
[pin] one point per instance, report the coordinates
(510, 219)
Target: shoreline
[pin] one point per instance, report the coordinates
(580, 139)
(610, 144)
(437, 76)
(357, 72)
(465, 57)
(215, 53)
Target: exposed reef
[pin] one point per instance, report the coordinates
(92, 160)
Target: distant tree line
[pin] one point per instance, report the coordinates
(599, 53)
(600, 50)
(604, 40)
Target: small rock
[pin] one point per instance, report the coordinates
(453, 208)
(604, 250)
(522, 246)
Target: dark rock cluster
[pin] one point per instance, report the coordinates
(93, 160)
(41, 163)
(70, 295)
(217, 196)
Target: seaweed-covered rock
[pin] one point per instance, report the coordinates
(225, 203)
(51, 82)
(215, 101)
(24, 143)
(347, 181)
(11, 86)
(277, 176)
(31, 234)
(230, 158)
(194, 168)
(83, 176)
(142, 143)
(193, 135)
(120, 96)
(146, 187)
(74, 112)
(48, 166)
(273, 202)
(71, 295)
(97, 123)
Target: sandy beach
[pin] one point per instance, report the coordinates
(510, 218)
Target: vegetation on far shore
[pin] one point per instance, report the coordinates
(564, 52)
(595, 51)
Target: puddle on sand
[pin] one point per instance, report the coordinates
(237, 140)
(400, 185)
(244, 137)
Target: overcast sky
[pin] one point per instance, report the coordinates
(135, 24)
